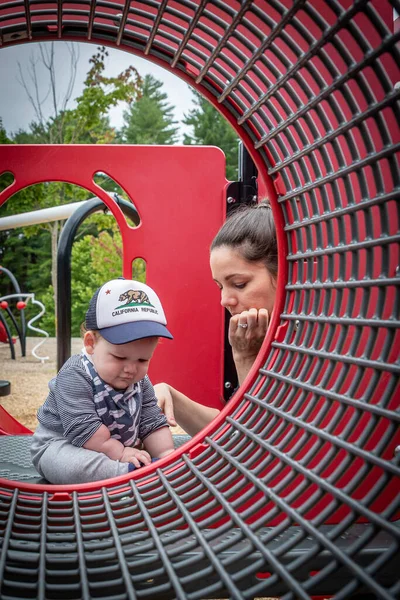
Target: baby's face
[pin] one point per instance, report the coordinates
(123, 364)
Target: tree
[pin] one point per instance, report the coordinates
(210, 128)
(150, 119)
(44, 55)
(23, 255)
(86, 123)
(94, 260)
(4, 139)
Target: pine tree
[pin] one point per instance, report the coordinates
(210, 128)
(150, 119)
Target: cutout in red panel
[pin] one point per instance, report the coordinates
(181, 207)
(6, 179)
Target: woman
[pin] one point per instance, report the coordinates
(244, 265)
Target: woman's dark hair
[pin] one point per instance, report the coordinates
(251, 231)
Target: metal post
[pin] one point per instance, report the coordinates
(64, 270)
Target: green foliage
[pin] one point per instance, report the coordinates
(210, 128)
(47, 321)
(88, 122)
(96, 253)
(4, 139)
(27, 252)
(27, 257)
(150, 119)
(100, 94)
(94, 260)
(40, 196)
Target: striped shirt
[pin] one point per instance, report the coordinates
(79, 402)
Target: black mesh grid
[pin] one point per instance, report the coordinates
(297, 492)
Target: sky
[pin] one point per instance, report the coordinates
(16, 110)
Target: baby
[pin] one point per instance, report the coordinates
(101, 406)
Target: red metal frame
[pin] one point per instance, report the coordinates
(179, 193)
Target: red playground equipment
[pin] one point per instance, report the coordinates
(4, 336)
(20, 328)
(293, 491)
(20, 299)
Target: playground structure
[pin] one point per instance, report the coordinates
(21, 305)
(294, 489)
(21, 329)
(73, 214)
(21, 302)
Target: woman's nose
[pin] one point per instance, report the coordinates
(227, 299)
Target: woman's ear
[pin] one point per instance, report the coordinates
(89, 341)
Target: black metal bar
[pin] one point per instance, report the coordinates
(303, 60)
(316, 434)
(59, 18)
(391, 98)
(346, 210)
(21, 331)
(193, 23)
(228, 32)
(243, 191)
(370, 57)
(28, 19)
(156, 24)
(8, 332)
(64, 270)
(14, 321)
(350, 360)
(122, 24)
(286, 18)
(91, 18)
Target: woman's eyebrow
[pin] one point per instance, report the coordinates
(234, 275)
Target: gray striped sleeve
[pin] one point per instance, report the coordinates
(152, 417)
(69, 408)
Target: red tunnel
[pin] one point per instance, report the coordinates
(294, 489)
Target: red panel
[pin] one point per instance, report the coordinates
(10, 426)
(179, 193)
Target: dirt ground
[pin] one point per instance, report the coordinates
(29, 378)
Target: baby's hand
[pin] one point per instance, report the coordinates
(136, 457)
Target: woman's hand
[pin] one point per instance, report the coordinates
(165, 402)
(136, 457)
(247, 331)
(190, 415)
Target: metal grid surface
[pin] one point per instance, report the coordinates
(296, 492)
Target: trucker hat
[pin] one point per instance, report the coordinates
(124, 310)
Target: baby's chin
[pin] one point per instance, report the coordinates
(122, 383)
